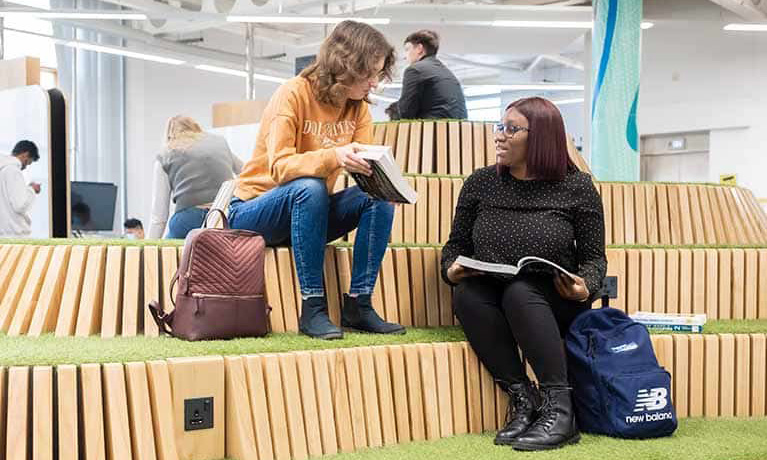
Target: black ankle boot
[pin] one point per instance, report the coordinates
(555, 426)
(524, 400)
(314, 320)
(358, 313)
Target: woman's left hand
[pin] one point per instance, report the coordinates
(571, 289)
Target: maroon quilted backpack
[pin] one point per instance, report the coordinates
(220, 287)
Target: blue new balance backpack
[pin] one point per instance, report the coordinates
(618, 387)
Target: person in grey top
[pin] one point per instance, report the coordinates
(429, 89)
(190, 171)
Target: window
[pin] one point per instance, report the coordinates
(20, 44)
(49, 78)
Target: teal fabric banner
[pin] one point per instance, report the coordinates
(616, 62)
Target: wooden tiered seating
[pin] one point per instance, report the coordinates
(444, 146)
(86, 290)
(312, 403)
(635, 213)
(305, 404)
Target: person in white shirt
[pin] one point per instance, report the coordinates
(189, 172)
(16, 196)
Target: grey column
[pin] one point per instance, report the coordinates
(250, 61)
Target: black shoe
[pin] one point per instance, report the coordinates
(524, 400)
(358, 313)
(555, 426)
(315, 322)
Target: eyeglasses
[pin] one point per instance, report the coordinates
(509, 130)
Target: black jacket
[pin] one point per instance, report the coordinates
(430, 90)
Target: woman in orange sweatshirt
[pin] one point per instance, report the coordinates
(310, 132)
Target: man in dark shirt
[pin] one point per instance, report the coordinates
(429, 89)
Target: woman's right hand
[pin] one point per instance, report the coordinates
(458, 272)
(349, 160)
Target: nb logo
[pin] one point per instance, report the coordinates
(625, 347)
(652, 399)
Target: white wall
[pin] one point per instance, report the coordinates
(155, 92)
(695, 76)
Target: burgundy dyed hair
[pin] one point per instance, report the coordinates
(547, 157)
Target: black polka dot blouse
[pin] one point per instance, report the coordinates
(501, 219)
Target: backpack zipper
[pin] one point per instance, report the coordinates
(198, 295)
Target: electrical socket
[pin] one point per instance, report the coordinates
(610, 286)
(198, 413)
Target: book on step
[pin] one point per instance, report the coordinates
(508, 270)
(645, 317)
(386, 183)
(660, 327)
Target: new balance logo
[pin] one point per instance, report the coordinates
(625, 347)
(652, 399)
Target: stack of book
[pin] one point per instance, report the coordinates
(670, 322)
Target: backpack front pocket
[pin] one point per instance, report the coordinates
(639, 404)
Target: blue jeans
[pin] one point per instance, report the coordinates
(184, 221)
(301, 212)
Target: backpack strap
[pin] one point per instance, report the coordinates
(162, 319)
(213, 212)
(609, 290)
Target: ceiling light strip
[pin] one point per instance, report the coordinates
(304, 19)
(72, 15)
(746, 27)
(239, 73)
(124, 52)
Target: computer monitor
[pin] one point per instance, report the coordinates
(93, 206)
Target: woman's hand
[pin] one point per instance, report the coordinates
(458, 272)
(348, 159)
(571, 289)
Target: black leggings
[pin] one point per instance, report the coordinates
(497, 316)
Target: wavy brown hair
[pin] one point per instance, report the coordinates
(349, 54)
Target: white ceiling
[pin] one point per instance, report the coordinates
(476, 53)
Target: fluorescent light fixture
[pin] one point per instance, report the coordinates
(647, 25)
(304, 19)
(746, 27)
(543, 24)
(124, 52)
(239, 73)
(72, 15)
(568, 101)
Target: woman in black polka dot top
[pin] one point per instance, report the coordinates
(532, 203)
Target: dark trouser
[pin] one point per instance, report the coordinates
(498, 316)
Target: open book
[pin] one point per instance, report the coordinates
(386, 183)
(509, 270)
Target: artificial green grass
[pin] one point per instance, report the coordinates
(736, 326)
(50, 350)
(695, 439)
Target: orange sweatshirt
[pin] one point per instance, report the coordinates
(297, 138)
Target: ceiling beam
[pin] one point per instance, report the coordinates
(559, 59)
(744, 8)
(154, 43)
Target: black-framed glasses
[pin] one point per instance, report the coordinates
(509, 130)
